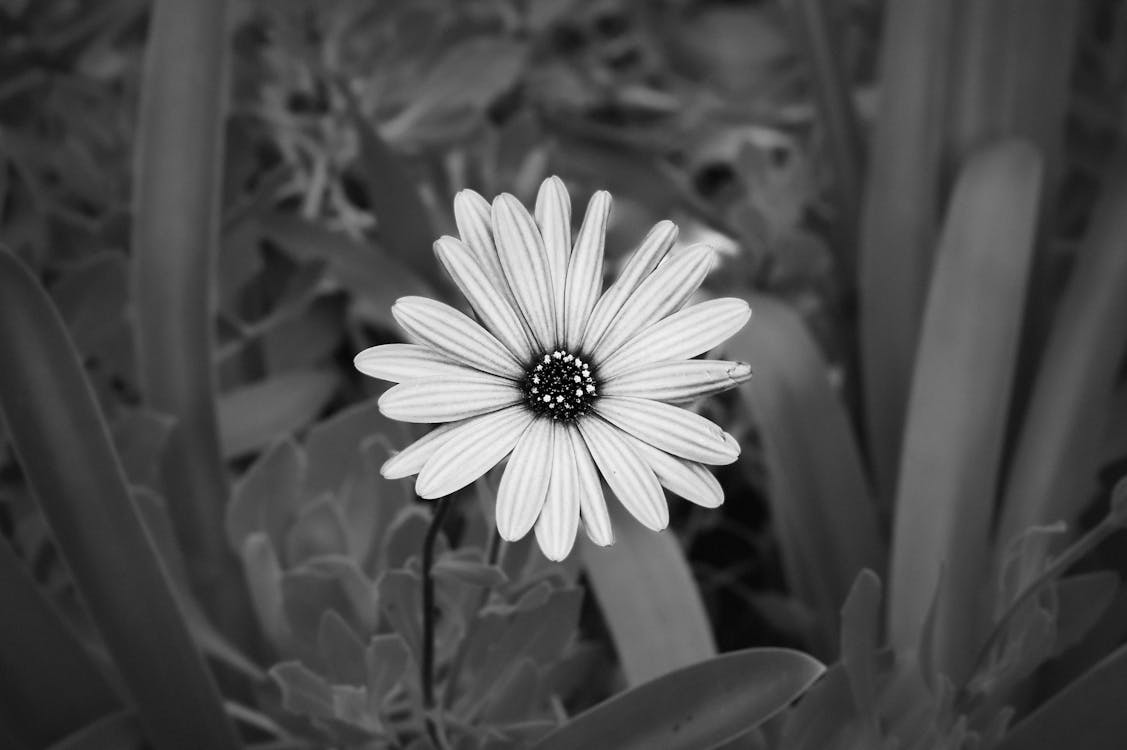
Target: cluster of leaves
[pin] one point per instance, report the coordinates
(938, 348)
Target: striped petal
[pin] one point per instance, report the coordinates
(585, 270)
(411, 459)
(670, 428)
(653, 248)
(448, 398)
(524, 485)
(678, 381)
(525, 261)
(631, 478)
(399, 362)
(592, 505)
(494, 310)
(559, 518)
(450, 332)
(471, 449)
(473, 216)
(665, 290)
(553, 216)
(688, 479)
(684, 334)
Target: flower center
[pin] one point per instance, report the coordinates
(559, 385)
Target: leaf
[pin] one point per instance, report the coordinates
(328, 583)
(253, 416)
(175, 238)
(464, 82)
(318, 530)
(860, 638)
(332, 445)
(959, 400)
(51, 686)
(400, 599)
(403, 221)
(899, 217)
(264, 580)
(404, 538)
(267, 497)
(696, 707)
(821, 503)
(53, 421)
(464, 566)
(640, 580)
(1087, 715)
(385, 661)
(825, 713)
(1082, 600)
(374, 276)
(341, 650)
(303, 692)
(92, 298)
(117, 731)
(1057, 452)
(369, 502)
(140, 438)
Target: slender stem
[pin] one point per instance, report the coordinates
(427, 668)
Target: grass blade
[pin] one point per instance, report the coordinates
(51, 686)
(63, 445)
(899, 218)
(834, 94)
(177, 178)
(700, 706)
(959, 401)
(1086, 715)
(640, 580)
(820, 499)
(1058, 451)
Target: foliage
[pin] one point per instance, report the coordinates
(924, 203)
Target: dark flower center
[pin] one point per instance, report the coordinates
(559, 385)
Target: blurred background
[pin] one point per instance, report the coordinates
(924, 201)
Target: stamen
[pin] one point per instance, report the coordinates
(559, 385)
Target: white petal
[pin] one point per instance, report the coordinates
(524, 484)
(486, 300)
(585, 271)
(653, 248)
(684, 334)
(559, 519)
(399, 362)
(631, 478)
(443, 328)
(677, 381)
(665, 290)
(473, 215)
(553, 216)
(471, 449)
(690, 480)
(525, 261)
(592, 505)
(411, 459)
(670, 428)
(448, 398)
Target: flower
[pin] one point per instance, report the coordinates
(565, 381)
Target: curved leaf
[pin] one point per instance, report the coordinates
(64, 447)
(820, 499)
(640, 580)
(959, 401)
(694, 708)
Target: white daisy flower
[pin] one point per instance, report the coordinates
(566, 382)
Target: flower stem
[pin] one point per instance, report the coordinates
(442, 506)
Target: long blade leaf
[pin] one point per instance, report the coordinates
(820, 499)
(177, 178)
(959, 401)
(63, 445)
